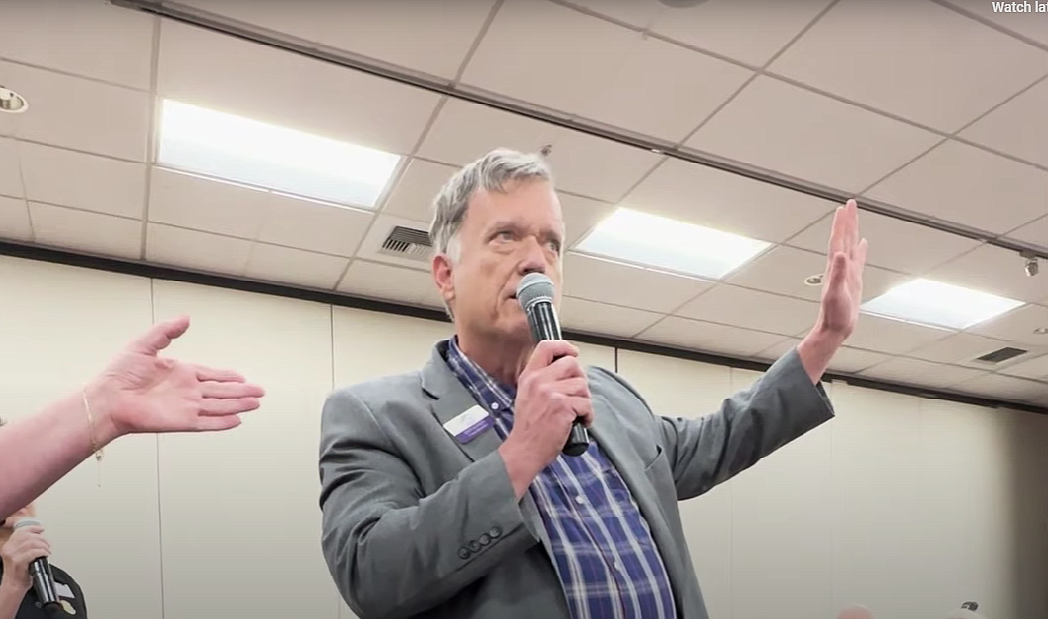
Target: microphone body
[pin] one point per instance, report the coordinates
(40, 573)
(535, 294)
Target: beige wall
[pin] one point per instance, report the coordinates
(907, 506)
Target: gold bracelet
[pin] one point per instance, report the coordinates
(91, 426)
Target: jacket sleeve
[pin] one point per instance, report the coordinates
(392, 551)
(707, 450)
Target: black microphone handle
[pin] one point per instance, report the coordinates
(43, 582)
(545, 326)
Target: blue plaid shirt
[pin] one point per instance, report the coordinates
(603, 550)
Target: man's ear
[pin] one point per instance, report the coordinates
(442, 276)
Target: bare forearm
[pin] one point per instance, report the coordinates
(816, 351)
(38, 450)
(10, 600)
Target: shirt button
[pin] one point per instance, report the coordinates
(494, 406)
(580, 500)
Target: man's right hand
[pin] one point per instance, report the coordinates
(25, 545)
(552, 392)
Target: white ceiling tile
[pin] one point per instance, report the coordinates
(844, 54)
(229, 74)
(851, 360)
(391, 283)
(584, 316)
(558, 72)
(430, 37)
(464, 132)
(892, 336)
(995, 270)
(88, 182)
(87, 37)
(709, 337)
(639, 13)
(966, 185)
(14, 220)
(302, 19)
(751, 309)
(10, 172)
(1018, 325)
(581, 215)
(1035, 232)
(778, 126)
(648, 96)
(958, 349)
(371, 247)
(195, 250)
(783, 270)
(80, 114)
(595, 279)
(778, 350)
(1021, 23)
(1036, 368)
(709, 197)
(597, 168)
(294, 266)
(922, 373)
(582, 164)
(713, 25)
(313, 226)
(892, 243)
(1004, 387)
(1018, 128)
(412, 196)
(205, 204)
(88, 232)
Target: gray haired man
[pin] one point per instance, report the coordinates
(444, 491)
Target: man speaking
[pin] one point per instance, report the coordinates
(446, 492)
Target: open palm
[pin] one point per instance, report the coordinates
(846, 261)
(143, 392)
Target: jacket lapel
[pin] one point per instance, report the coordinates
(450, 398)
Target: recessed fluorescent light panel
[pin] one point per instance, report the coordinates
(939, 304)
(235, 148)
(654, 241)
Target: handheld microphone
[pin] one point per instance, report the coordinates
(535, 294)
(40, 572)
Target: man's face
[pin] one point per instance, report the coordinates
(504, 237)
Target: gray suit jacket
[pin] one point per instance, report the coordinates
(416, 524)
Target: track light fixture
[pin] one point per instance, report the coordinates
(1031, 265)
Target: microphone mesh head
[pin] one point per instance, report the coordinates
(533, 288)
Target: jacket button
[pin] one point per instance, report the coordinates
(474, 546)
(495, 531)
(463, 553)
(485, 539)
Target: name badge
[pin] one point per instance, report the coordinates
(466, 426)
(64, 590)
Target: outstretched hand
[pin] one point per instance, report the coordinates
(842, 287)
(142, 392)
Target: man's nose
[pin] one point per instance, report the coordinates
(533, 259)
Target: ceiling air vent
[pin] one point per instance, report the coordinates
(406, 243)
(1001, 354)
